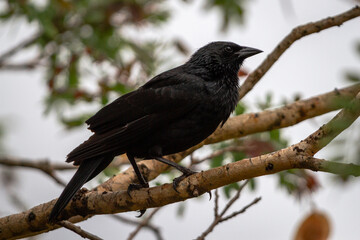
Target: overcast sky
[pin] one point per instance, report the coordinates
(313, 65)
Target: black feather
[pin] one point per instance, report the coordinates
(86, 171)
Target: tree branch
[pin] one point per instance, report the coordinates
(43, 165)
(219, 217)
(294, 35)
(19, 66)
(144, 223)
(36, 164)
(149, 226)
(26, 43)
(78, 230)
(34, 221)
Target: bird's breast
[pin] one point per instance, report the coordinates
(224, 100)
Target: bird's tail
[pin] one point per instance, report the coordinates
(87, 170)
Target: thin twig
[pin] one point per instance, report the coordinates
(256, 200)
(78, 230)
(144, 223)
(216, 204)
(24, 44)
(8, 182)
(219, 217)
(149, 226)
(42, 165)
(19, 66)
(233, 199)
(294, 35)
(36, 164)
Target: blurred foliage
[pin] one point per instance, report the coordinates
(353, 76)
(82, 39)
(346, 147)
(93, 51)
(232, 10)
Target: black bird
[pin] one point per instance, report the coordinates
(172, 112)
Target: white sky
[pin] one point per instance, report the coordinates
(313, 65)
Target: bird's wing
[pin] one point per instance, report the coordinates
(134, 116)
(166, 93)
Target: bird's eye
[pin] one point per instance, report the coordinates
(228, 49)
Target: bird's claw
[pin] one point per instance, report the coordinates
(210, 195)
(136, 186)
(177, 180)
(142, 211)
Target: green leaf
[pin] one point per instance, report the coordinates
(104, 99)
(353, 77)
(275, 135)
(240, 108)
(229, 188)
(237, 156)
(216, 161)
(111, 171)
(252, 184)
(73, 76)
(120, 88)
(74, 121)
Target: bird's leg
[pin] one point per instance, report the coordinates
(142, 181)
(186, 171)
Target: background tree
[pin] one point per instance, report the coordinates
(91, 52)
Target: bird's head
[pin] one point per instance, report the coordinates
(222, 57)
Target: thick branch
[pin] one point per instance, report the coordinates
(244, 125)
(294, 35)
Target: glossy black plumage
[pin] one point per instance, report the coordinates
(173, 111)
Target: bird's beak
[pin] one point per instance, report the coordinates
(246, 52)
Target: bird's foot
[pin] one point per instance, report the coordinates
(186, 172)
(136, 186)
